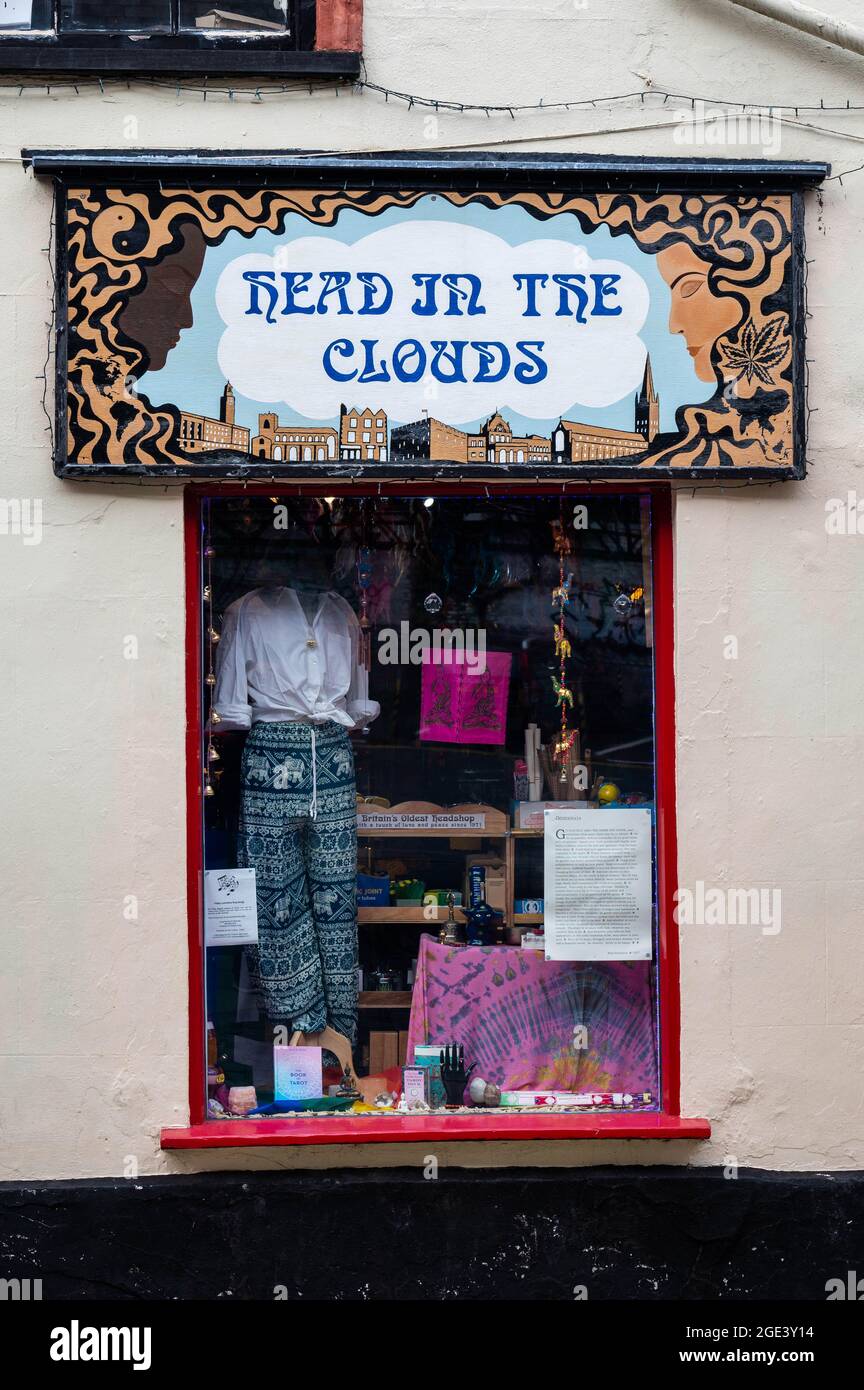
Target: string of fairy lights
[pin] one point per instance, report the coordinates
(699, 110)
(649, 95)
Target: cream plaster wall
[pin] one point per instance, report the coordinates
(771, 745)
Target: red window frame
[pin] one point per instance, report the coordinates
(668, 1123)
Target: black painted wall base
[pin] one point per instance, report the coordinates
(636, 1233)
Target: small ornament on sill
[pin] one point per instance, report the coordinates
(241, 1099)
(484, 1092)
(449, 932)
(454, 1074)
(348, 1086)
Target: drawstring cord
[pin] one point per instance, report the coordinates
(313, 805)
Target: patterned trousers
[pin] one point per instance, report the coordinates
(298, 831)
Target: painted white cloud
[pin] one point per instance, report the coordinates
(594, 363)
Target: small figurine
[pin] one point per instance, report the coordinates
(563, 648)
(348, 1086)
(563, 692)
(449, 935)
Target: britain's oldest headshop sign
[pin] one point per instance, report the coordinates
(235, 330)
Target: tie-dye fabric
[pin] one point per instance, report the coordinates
(304, 967)
(515, 1013)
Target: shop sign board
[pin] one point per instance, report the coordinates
(427, 320)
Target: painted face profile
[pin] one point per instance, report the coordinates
(157, 315)
(698, 315)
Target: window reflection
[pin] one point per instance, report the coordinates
(263, 15)
(26, 14)
(146, 16)
(398, 936)
(130, 16)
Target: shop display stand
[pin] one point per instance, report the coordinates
(496, 828)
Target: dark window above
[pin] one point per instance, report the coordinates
(246, 37)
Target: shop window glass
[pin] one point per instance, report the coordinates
(146, 16)
(121, 16)
(375, 812)
(26, 14)
(260, 15)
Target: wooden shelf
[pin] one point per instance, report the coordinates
(527, 919)
(384, 999)
(409, 916)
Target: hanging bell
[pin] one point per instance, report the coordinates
(207, 595)
(215, 717)
(208, 790)
(210, 679)
(213, 635)
(212, 755)
(209, 552)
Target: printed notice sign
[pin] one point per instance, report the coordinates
(597, 870)
(230, 907)
(420, 820)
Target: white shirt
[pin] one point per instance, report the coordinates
(273, 663)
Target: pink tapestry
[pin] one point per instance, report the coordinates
(461, 704)
(515, 1013)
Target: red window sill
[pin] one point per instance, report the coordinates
(406, 1129)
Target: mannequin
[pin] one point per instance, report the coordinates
(288, 670)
